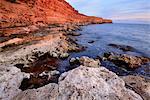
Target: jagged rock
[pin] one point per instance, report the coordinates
(10, 80)
(139, 84)
(87, 83)
(86, 61)
(83, 83)
(48, 92)
(127, 61)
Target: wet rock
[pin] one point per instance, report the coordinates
(124, 48)
(86, 61)
(87, 83)
(126, 61)
(92, 41)
(139, 84)
(76, 48)
(74, 34)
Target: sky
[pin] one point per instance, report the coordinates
(127, 11)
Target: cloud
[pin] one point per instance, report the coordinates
(114, 9)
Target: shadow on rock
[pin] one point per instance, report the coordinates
(42, 71)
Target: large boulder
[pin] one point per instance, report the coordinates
(87, 83)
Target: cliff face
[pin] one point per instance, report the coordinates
(27, 12)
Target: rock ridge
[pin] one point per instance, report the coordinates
(29, 12)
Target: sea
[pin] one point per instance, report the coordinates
(96, 38)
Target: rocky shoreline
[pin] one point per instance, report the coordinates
(23, 52)
(29, 57)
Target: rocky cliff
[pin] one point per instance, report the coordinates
(28, 12)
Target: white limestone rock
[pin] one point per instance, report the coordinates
(10, 80)
(86, 83)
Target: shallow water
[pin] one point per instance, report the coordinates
(97, 37)
(134, 35)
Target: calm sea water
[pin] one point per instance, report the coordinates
(134, 35)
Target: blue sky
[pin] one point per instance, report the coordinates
(132, 11)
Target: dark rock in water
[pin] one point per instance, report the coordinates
(76, 48)
(74, 34)
(124, 48)
(126, 61)
(80, 48)
(112, 67)
(144, 70)
(92, 41)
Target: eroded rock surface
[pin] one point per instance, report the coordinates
(86, 61)
(126, 61)
(48, 92)
(93, 83)
(10, 80)
(84, 83)
(139, 84)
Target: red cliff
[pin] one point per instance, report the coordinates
(28, 12)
